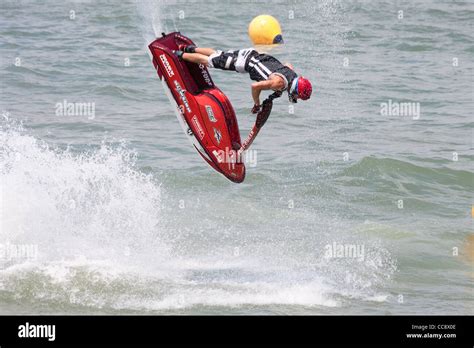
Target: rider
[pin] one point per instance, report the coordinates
(269, 73)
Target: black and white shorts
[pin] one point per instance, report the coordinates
(231, 60)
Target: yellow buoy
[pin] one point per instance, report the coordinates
(265, 30)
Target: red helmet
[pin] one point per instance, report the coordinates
(304, 88)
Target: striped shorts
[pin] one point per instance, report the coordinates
(231, 60)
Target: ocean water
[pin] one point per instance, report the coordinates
(113, 212)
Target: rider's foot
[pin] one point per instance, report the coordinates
(178, 54)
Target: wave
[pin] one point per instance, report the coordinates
(117, 91)
(382, 182)
(377, 169)
(94, 201)
(104, 246)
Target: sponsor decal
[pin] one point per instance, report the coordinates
(210, 113)
(249, 138)
(217, 136)
(182, 95)
(198, 127)
(205, 75)
(167, 65)
(182, 38)
(189, 131)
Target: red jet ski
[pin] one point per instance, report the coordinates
(204, 112)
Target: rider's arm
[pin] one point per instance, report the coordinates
(257, 87)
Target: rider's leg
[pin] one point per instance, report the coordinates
(197, 58)
(204, 50)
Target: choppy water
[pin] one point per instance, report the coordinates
(126, 218)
